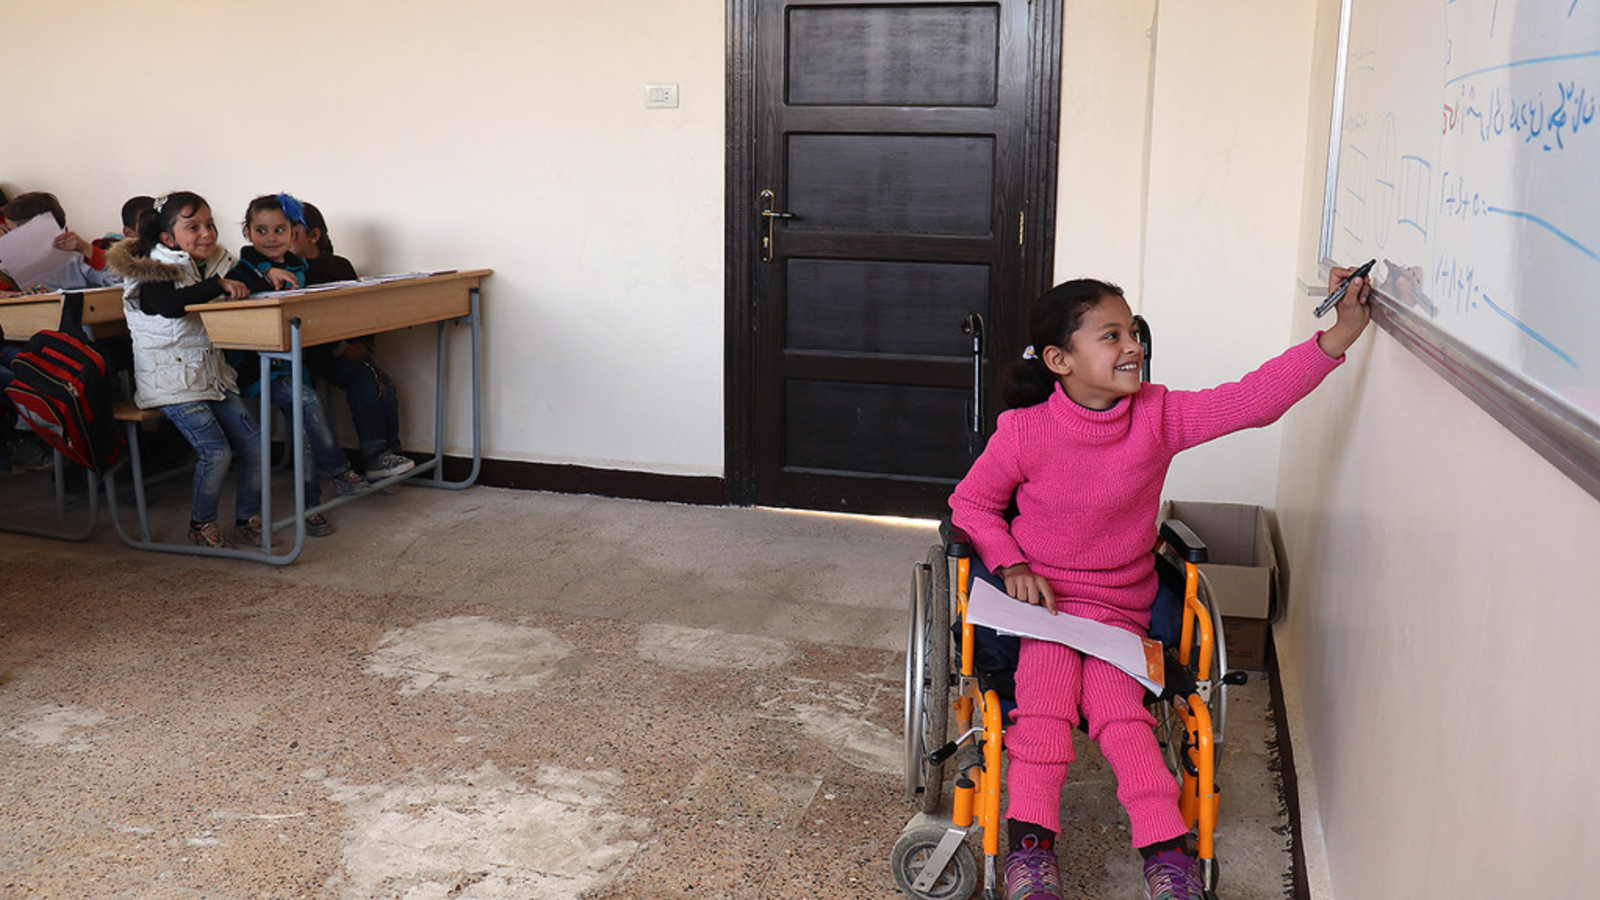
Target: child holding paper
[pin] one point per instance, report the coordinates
(86, 268)
(1083, 450)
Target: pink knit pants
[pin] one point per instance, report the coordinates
(1053, 682)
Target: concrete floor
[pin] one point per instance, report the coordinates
(493, 694)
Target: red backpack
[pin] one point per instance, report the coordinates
(63, 389)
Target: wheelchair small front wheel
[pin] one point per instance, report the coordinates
(956, 881)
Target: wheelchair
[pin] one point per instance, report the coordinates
(932, 859)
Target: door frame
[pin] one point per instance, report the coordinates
(1041, 150)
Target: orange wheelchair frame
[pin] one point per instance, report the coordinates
(932, 859)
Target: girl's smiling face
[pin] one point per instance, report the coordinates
(271, 233)
(194, 232)
(1101, 361)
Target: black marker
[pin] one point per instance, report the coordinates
(1338, 295)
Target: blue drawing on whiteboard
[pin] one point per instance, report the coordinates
(1544, 341)
(1416, 191)
(1530, 217)
(1519, 63)
(1353, 216)
(1385, 178)
(1549, 119)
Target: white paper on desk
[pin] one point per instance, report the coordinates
(28, 251)
(405, 276)
(1138, 656)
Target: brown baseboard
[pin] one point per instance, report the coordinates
(566, 479)
(1297, 884)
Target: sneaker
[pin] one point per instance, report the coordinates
(1032, 872)
(388, 463)
(317, 524)
(348, 482)
(248, 531)
(1172, 875)
(208, 535)
(29, 454)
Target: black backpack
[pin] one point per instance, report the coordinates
(63, 389)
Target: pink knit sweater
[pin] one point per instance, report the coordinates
(1088, 482)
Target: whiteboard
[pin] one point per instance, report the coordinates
(1465, 159)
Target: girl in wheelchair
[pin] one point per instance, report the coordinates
(1083, 451)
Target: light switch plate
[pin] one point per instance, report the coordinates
(660, 96)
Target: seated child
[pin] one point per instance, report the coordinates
(267, 264)
(374, 405)
(131, 210)
(87, 270)
(1083, 449)
(175, 261)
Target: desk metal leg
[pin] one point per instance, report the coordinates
(264, 553)
(297, 441)
(138, 484)
(296, 448)
(62, 531)
(475, 327)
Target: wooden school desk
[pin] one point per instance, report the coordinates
(23, 317)
(280, 325)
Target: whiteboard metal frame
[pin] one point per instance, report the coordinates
(1564, 436)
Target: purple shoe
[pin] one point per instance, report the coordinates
(1032, 872)
(1172, 875)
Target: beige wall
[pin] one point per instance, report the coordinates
(514, 136)
(462, 134)
(1183, 149)
(1439, 644)
(1435, 655)
(1437, 614)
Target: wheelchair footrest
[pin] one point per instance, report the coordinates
(939, 858)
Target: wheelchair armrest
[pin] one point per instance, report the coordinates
(1183, 539)
(956, 542)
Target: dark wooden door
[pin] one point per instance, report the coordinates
(890, 188)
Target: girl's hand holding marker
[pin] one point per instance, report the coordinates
(1348, 291)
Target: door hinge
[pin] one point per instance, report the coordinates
(1022, 226)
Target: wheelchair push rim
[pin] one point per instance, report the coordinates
(927, 678)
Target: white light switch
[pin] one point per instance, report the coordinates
(661, 96)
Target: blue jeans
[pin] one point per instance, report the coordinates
(374, 406)
(321, 450)
(219, 431)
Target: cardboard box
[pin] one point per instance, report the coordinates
(1246, 641)
(1242, 571)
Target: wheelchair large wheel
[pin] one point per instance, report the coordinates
(927, 683)
(910, 855)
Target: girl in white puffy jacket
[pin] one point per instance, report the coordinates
(173, 263)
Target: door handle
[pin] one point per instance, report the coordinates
(768, 201)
